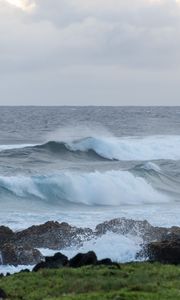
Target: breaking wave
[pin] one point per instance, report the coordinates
(112, 148)
(112, 188)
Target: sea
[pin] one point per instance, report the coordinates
(87, 165)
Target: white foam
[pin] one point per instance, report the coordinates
(128, 148)
(151, 166)
(115, 246)
(112, 188)
(15, 146)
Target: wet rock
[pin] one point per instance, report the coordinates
(2, 294)
(53, 235)
(125, 226)
(83, 259)
(167, 251)
(52, 262)
(6, 234)
(19, 255)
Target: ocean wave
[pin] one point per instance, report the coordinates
(112, 148)
(112, 188)
(128, 148)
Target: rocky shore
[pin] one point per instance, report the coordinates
(21, 248)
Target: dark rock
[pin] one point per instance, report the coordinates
(6, 234)
(167, 251)
(25, 271)
(105, 261)
(85, 259)
(52, 262)
(19, 255)
(2, 294)
(39, 266)
(53, 235)
(57, 261)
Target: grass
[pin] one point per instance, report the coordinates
(136, 281)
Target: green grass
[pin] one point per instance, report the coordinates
(136, 281)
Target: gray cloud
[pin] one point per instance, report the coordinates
(90, 52)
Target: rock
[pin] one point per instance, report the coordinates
(52, 262)
(105, 261)
(57, 236)
(53, 235)
(2, 294)
(19, 255)
(125, 226)
(56, 261)
(167, 251)
(81, 259)
(24, 271)
(6, 234)
(39, 266)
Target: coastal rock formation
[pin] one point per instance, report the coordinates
(166, 251)
(81, 259)
(6, 234)
(125, 226)
(19, 255)
(58, 236)
(53, 235)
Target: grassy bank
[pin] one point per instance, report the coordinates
(131, 281)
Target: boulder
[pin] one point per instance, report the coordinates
(52, 262)
(39, 266)
(105, 261)
(19, 255)
(83, 259)
(167, 251)
(58, 260)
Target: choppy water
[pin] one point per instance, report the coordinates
(85, 165)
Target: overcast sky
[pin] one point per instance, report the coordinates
(89, 52)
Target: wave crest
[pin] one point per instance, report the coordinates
(112, 188)
(112, 148)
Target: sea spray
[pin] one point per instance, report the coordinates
(112, 148)
(112, 188)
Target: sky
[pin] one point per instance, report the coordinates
(89, 52)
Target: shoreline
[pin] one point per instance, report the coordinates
(24, 247)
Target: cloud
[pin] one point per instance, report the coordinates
(75, 36)
(26, 5)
